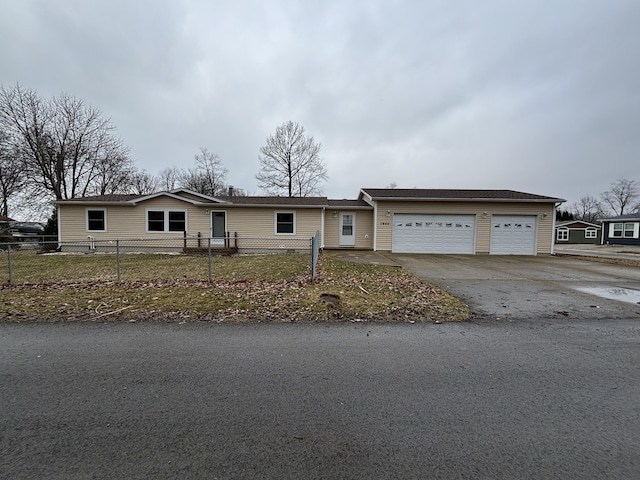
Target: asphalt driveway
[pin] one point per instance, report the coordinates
(507, 287)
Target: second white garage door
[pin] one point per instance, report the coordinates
(513, 235)
(418, 233)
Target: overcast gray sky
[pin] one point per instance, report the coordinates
(540, 95)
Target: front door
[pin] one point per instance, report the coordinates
(347, 229)
(218, 227)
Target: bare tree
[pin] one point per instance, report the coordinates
(114, 174)
(143, 183)
(169, 178)
(588, 209)
(622, 196)
(67, 146)
(290, 163)
(209, 176)
(12, 178)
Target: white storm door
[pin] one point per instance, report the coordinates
(347, 229)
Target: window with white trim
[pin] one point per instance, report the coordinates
(617, 229)
(562, 234)
(96, 219)
(590, 233)
(166, 221)
(285, 223)
(629, 229)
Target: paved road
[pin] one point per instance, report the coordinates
(545, 399)
(532, 287)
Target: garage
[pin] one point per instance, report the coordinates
(420, 233)
(513, 235)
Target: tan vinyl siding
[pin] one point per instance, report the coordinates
(483, 224)
(256, 222)
(364, 228)
(130, 221)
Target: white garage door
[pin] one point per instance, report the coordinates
(414, 233)
(513, 235)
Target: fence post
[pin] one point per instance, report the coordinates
(118, 258)
(9, 259)
(209, 249)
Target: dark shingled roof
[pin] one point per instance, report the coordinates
(626, 216)
(446, 194)
(104, 198)
(349, 203)
(577, 224)
(292, 201)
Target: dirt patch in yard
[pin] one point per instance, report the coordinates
(343, 292)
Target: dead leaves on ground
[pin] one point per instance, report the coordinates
(367, 293)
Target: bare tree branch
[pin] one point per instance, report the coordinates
(623, 195)
(69, 149)
(588, 209)
(290, 163)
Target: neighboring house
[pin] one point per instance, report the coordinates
(577, 231)
(621, 230)
(390, 220)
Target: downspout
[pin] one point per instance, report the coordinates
(323, 213)
(375, 226)
(553, 229)
(59, 226)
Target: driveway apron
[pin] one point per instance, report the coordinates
(507, 287)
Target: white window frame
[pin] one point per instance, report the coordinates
(166, 219)
(86, 217)
(562, 235)
(275, 222)
(612, 230)
(633, 230)
(591, 233)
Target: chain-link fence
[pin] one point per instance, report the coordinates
(189, 258)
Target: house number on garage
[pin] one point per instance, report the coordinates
(385, 223)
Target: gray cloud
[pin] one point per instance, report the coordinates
(537, 96)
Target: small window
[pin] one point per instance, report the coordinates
(590, 233)
(155, 220)
(96, 220)
(628, 230)
(286, 223)
(177, 221)
(562, 235)
(617, 230)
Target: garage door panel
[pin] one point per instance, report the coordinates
(417, 233)
(513, 235)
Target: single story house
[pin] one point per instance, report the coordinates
(503, 222)
(621, 230)
(577, 231)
